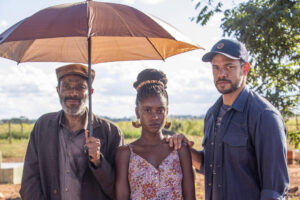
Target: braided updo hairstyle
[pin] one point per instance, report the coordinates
(150, 89)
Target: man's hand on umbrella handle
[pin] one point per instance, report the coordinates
(93, 146)
(177, 139)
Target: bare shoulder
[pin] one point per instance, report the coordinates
(123, 153)
(124, 150)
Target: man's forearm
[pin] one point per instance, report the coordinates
(196, 158)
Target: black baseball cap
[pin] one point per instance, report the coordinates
(232, 49)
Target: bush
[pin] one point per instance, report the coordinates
(128, 130)
(188, 126)
(16, 131)
(294, 138)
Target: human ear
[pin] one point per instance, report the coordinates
(246, 68)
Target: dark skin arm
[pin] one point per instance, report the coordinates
(177, 140)
(94, 146)
(196, 158)
(188, 184)
(122, 184)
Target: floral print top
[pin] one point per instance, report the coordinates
(149, 183)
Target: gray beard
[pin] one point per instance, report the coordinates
(73, 111)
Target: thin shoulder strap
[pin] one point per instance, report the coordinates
(130, 147)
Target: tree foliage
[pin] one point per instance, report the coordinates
(270, 29)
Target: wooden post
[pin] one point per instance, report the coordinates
(9, 132)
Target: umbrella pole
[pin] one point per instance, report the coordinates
(90, 89)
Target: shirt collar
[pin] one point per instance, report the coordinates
(85, 126)
(237, 105)
(240, 102)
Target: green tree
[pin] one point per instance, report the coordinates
(270, 29)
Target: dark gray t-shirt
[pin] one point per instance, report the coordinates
(218, 140)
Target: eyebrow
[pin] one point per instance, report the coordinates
(229, 63)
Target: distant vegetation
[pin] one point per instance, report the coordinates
(20, 133)
(193, 126)
(188, 126)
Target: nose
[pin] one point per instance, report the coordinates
(154, 116)
(74, 91)
(222, 72)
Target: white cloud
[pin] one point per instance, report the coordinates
(3, 23)
(29, 89)
(153, 2)
(128, 2)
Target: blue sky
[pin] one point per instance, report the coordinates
(28, 89)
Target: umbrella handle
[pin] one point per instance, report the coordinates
(90, 120)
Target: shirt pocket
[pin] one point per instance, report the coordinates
(235, 147)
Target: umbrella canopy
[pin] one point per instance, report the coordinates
(117, 32)
(91, 32)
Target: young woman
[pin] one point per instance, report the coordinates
(148, 168)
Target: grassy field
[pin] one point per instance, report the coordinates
(20, 136)
(193, 128)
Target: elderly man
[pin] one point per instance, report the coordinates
(244, 154)
(56, 165)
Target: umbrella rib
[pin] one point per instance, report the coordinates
(29, 46)
(132, 34)
(155, 49)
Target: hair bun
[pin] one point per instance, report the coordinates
(151, 74)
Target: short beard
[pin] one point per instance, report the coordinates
(234, 86)
(73, 111)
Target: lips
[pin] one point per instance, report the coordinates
(72, 100)
(155, 125)
(223, 82)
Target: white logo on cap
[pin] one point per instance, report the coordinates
(220, 46)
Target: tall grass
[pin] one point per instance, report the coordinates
(16, 130)
(192, 128)
(188, 126)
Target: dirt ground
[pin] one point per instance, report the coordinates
(11, 192)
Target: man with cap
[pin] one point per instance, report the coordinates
(61, 161)
(244, 144)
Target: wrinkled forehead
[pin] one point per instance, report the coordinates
(73, 79)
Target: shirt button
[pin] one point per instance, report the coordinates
(212, 143)
(219, 185)
(54, 191)
(66, 189)
(210, 165)
(209, 184)
(68, 171)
